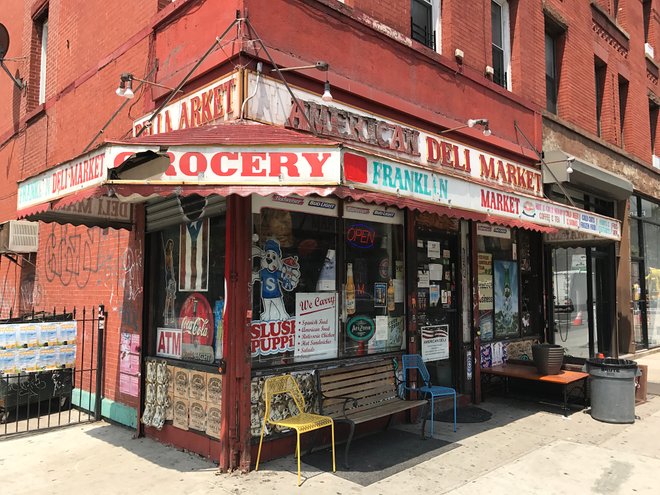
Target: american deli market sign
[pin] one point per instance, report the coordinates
(407, 181)
(273, 104)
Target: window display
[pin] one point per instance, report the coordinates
(295, 303)
(189, 294)
(320, 292)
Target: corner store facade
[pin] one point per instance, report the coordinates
(414, 200)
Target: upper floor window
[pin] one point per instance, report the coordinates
(500, 42)
(43, 31)
(424, 22)
(600, 72)
(551, 87)
(653, 125)
(623, 103)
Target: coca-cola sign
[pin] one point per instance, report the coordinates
(196, 322)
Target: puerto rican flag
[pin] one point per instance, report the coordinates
(194, 256)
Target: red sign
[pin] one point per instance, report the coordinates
(273, 337)
(196, 319)
(169, 342)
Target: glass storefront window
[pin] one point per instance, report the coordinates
(374, 284)
(295, 300)
(652, 264)
(189, 290)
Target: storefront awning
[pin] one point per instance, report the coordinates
(231, 158)
(585, 176)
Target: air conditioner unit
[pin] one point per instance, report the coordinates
(648, 50)
(19, 236)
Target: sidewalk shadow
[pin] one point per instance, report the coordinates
(150, 450)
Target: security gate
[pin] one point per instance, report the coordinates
(51, 369)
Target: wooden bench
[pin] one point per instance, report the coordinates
(566, 379)
(362, 392)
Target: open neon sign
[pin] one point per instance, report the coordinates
(361, 236)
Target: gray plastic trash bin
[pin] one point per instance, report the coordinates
(612, 385)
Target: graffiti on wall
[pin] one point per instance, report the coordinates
(72, 255)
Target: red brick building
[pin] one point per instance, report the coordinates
(421, 179)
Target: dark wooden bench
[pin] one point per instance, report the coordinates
(362, 392)
(565, 379)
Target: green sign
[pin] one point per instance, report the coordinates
(360, 328)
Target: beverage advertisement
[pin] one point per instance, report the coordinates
(316, 326)
(196, 320)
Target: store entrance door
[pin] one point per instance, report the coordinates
(437, 265)
(583, 302)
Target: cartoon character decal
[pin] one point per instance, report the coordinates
(275, 274)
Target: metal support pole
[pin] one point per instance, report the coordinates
(99, 362)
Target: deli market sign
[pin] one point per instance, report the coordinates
(88, 170)
(213, 103)
(272, 104)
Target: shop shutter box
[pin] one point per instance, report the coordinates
(174, 210)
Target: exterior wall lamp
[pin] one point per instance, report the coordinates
(125, 87)
(471, 123)
(320, 65)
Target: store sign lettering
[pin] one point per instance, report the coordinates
(169, 342)
(272, 337)
(215, 102)
(351, 126)
(500, 202)
(511, 174)
(237, 164)
(361, 236)
(360, 328)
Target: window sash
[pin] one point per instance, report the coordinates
(42, 62)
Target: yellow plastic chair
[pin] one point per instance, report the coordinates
(302, 422)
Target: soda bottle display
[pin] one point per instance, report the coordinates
(350, 290)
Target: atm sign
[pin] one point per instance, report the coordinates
(169, 343)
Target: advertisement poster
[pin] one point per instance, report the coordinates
(435, 342)
(197, 329)
(129, 363)
(316, 326)
(506, 298)
(485, 281)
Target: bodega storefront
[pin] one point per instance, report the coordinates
(271, 250)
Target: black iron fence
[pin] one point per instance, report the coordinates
(55, 377)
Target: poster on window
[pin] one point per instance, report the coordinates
(435, 342)
(197, 329)
(316, 326)
(194, 256)
(485, 281)
(506, 298)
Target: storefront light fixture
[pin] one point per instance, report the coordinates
(320, 65)
(471, 123)
(569, 163)
(125, 87)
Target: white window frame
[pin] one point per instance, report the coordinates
(42, 62)
(506, 39)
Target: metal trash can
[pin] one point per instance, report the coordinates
(612, 385)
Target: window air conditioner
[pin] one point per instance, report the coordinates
(648, 50)
(19, 236)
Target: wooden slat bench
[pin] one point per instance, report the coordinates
(362, 392)
(565, 379)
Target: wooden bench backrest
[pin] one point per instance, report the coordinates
(370, 384)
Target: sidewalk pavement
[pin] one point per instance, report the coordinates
(523, 448)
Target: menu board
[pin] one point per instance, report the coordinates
(316, 326)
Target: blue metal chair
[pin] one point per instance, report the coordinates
(414, 362)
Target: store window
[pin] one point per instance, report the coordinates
(373, 254)
(188, 293)
(510, 284)
(295, 294)
(324, 287)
